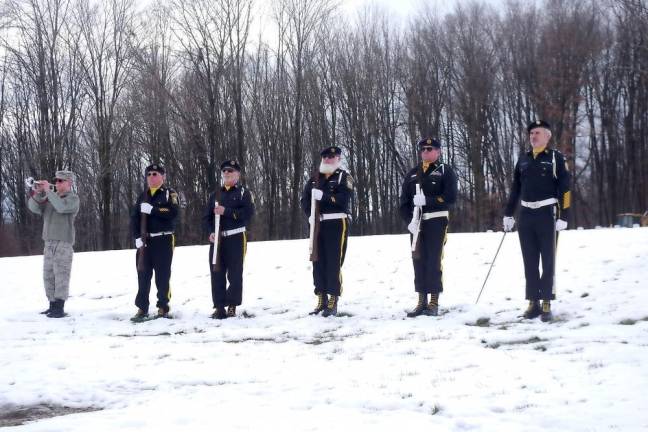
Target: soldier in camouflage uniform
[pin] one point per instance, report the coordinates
(58, 210)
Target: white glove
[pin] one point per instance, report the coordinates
(311, 221)
(561, 225)
(138, 243)
(317, 194)
(508, 223)
(146, 208)
(419, 200)
(412, 227)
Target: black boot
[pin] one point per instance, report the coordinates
(46, 311)
(163, 312)
(421, 306)
(546, 314)
(219, 313)
(140, 315)
(331, 307)
(322, 300)
(57, 310)
(533, 310)
(433, 306)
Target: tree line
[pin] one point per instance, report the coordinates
(104, 89)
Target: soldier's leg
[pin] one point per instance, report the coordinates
(319, 268)
(530, 255)
(62, 269)
(217, 279)
(162, 259)
(335, 250)
(234, 256)
(547, 239)
(434, 241)
(143, 280)
(48, 270)
(420, 264)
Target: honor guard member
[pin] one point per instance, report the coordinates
(541, 185)
(58, 210)
(235, 208)
(438, 192)
(332, 187)
(156, 210)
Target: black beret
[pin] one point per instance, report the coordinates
(537, 124)
(426, 142)
(154, 167)
(230, 164)
(332, 150)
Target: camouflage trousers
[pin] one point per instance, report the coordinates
(57, 266)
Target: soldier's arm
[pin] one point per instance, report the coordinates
(169, 210)
(406, 207)
(449, 186)
(514, 197)
(135, 218)
(564, 189)
(208, 215)
(244, 212)
(35, 205)
(340, 197)
(449, 194)
(306, 198)
(67, 204)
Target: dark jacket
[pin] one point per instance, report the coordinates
(438, 184)
(163, 216)
(336, 192)
(239, 208)
(540, 178)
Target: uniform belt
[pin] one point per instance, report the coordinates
(329, 216)
(437, 214)
(538, 204)
(158, 234)
(232, 232)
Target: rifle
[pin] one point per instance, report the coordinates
(315, 225)
(143, 235)
(418, 217)
(215, 260)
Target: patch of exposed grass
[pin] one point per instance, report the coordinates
(531, 340)
(628, 321)
(16, 415)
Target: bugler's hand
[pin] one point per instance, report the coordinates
(138, 243)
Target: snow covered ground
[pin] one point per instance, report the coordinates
(371, 369)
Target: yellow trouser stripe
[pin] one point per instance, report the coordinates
(445, 239)
(244, 244)
(342, 240)
(173, 241)
(566, 200)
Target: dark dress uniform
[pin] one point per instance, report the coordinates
(333, 234)
(159, 244)
(239, 209)
(541, 183)
(439, 185)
